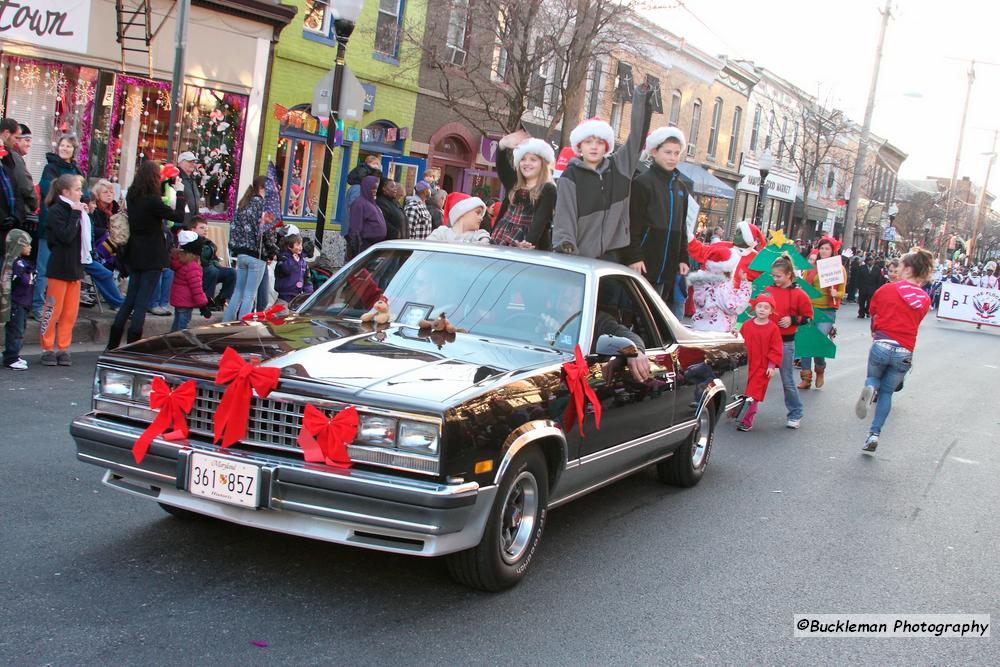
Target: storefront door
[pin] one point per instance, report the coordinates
(404, 170)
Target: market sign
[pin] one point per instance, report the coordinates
(778, 186)
(54, 24)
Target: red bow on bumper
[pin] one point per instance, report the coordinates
(173, 405)
(324, 439)
(576, 379)
(269, 315)
(234, 409)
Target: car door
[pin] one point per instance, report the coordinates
(633, 412)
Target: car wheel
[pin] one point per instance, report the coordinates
(181, 513)
(513, 529)
(687, 466)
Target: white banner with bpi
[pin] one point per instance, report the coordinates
(54, 24)
(969, 304)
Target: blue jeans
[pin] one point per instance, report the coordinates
(806, 363)
(887, 365)
(249, 272)
(14, 333)
(212, 275)
(104, 281)
(41, 281)
(161, 294)
(264, 291)
(793, 404)
(182, 318)
(140, 290)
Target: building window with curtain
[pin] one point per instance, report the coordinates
(770, 131)
(695, 124)
(755, 129)
(781, 139)
(594, 92)
(387, 29)
(317, 18)
(734, 137)
(299, 164)
(713, 131)
(675, 108)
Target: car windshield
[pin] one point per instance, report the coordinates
(488, 296)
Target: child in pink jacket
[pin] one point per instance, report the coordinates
(186, 292)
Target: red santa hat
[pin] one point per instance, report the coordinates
(534, 147)
(749, 234)
(764, 298)
(659, 136)
(462, 205)
(592, 127)
(168, 171)
(834, 243)
(720, 258)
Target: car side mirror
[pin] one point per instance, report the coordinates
(616, 346)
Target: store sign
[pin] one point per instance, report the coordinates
(778, 186)
(969, 304)
(488, 149)
(54, 24)
(369, 96)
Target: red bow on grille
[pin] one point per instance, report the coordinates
(173, 405)
(579, 389)
(324, 439)
(269, 315)
(234, 409)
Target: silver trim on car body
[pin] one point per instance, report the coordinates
(526, 434)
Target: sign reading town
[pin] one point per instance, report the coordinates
(55, 24)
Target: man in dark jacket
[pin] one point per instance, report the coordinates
(395, 218)
(186, 162)
(658, 220)
(17, 142)
(869, 280)
(435, 204)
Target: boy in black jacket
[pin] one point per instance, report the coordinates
(658, 218)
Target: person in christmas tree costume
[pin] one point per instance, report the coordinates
(764, 354)
(718, 299)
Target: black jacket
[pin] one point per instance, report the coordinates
(62, 231)
(437, 215)
(25, 198)
(148, 246)
(191, 196)
(658, 220)
(356, 175)
(395, 219)
(869, 279)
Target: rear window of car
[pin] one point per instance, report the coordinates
(488, 296)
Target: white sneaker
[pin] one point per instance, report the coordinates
(793, 423)
(19, 365)
(861, 407)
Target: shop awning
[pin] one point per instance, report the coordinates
(704, 183)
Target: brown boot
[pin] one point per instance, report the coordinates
(819, 377)
(807, 379)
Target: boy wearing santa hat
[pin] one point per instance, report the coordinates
(464, 214)
(592, 204)
(658, 218)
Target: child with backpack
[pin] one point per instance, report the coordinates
(186, 291)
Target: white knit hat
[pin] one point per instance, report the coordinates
(593, 127)
(657, 137)
(186, 236)
(535, 147)
(462, 207)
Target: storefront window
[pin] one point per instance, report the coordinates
(140, 116)
(714, 211)
(300, 164)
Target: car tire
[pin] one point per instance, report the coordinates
(181, 513)
(500, 561)
(687, 466)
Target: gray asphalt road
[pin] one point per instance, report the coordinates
(638, 573)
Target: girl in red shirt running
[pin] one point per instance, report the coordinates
(896, 310)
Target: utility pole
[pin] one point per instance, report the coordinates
(859, 163)
(958, 154)
(177, 85)
(981, 204)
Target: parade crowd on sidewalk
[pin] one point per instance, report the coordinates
(625, 204)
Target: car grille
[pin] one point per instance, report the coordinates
(275, 424)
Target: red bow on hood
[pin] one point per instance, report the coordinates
(173, 405)
(269, 315)
(579, 389)
(234, 409)
(324, 439)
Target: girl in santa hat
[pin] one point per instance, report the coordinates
(764, 355)
(717, 300)
(827, 303)
(524, 165)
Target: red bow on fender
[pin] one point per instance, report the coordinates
(269, 315)
(173, 405)
(576, 379)
(324, 439)
(234, 409)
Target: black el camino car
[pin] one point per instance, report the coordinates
(460, 448)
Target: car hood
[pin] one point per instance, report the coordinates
(353, 357)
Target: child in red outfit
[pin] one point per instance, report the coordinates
(764, 354)
(792, 309)
(186, 292)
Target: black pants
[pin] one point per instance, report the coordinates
(141, 285)
(14, 333)
(864, 298)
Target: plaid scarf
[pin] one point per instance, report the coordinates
(513, 227)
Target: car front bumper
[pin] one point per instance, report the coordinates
(353, 507)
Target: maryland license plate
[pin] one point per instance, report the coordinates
(224, 480)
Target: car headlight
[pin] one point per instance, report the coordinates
(143, 388)
(115, 384)
(377, 430)
(418, 436)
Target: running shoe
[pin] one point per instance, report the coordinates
(19, 365)
(871, 443)
(793, 423)
(861, 407)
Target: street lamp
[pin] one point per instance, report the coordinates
(345, 17)
(927, 231)
(764, 164)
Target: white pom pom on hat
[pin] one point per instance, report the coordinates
(186, 236)
(462, 207)
(656, 138)
(593, 127)
(535, 147)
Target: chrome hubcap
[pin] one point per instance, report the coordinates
(518, 516)
(701, 435)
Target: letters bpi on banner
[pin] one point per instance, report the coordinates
(970, 304)
(54, 24)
